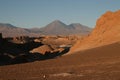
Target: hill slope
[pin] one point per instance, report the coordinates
(102, 63)
(107, 31)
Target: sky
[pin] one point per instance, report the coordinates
(39, 13)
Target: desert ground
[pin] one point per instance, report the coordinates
(101, 63)
(95, 56)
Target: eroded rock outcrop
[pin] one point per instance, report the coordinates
(107, 31)
(42, 49)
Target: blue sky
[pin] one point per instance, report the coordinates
(38, 13)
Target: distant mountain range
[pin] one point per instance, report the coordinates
(54, 28)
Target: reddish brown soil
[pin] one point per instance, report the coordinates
(102, 63)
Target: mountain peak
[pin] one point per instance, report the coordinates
(54, 28)
(55, 24)
(56, 21)
(59, 28)
(7, 25)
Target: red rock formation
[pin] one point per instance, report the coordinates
(42, 49)
(107, 31)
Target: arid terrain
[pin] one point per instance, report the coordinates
(102, 63)
(28, 49)
(106, 31)
(95, 56)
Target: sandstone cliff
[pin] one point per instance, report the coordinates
(107, 31)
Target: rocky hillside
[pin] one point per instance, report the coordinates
(107, 31)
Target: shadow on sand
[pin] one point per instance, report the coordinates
(11, 53)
